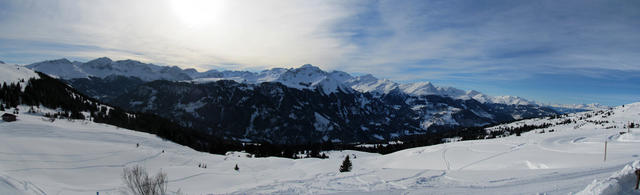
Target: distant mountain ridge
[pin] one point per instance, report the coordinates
(288, 106)
(103, 67)
(304, 77)
(571, 108)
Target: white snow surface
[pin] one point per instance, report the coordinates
(81, 157)
(11, 73)
(618, 183)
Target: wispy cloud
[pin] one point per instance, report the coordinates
(504, 36)
(249, 33)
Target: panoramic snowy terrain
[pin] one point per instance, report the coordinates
(79, 157)
(358, 97)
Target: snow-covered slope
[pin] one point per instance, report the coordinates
(369, 83)
(618, 183)
(79, 157)
(10, 73)
(61, 68)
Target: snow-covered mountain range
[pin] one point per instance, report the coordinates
(421, 106)
(103, 67)
(308, 76)
(296, 106)
(304, 77)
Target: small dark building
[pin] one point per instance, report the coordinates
(8, 117)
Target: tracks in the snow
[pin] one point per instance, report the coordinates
(447, 165)
(514, 148)
(87, 167)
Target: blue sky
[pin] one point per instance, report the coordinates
(575, 51)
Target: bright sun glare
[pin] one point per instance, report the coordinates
(197, 13)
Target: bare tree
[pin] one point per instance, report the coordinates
(138, 182)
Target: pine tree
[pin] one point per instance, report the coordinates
(346, 165)
(236, 168)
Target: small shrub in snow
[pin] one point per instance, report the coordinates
(138, 182)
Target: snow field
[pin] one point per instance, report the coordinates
(78, 157)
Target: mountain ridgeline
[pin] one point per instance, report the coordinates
(302, 106)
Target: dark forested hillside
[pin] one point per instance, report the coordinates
(274, 113)
(105, 89)
(218, 117)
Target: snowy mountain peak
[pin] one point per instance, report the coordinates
(60, 61)
(311, 77)
(363, 80)
(191, 71)
(473, 93)
(367, 77)
(419, 88)
(511, 100)
(308, 66)
(340, 76)
(103, 61)
(309, 70)
(371, 84)
(62, 68)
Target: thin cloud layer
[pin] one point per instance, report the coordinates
(248, 33)
(504, 36)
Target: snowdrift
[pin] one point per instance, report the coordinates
(621, 182)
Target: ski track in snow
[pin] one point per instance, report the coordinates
(447, 165)
(492, 156)
(87, 167)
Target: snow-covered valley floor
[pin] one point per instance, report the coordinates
(79, 157)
